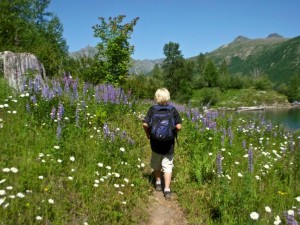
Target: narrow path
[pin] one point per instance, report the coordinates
(165, 212)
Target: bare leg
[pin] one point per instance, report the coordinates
(157, 174)
(167, 178)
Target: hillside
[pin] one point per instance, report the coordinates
(276, 56)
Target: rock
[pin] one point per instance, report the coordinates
(15, 66)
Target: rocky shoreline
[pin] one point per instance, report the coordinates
(261, 107)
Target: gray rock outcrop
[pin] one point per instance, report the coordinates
(15, 67)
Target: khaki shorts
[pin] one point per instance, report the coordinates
(164, 162)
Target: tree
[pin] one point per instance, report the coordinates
(211, 74)
(177, 72)
(26, 26)
(114, 50)
(171, 65)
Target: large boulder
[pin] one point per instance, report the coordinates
(15, 67)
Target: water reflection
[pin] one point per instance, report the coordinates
(287, 117)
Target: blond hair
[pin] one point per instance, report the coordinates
(162, 96)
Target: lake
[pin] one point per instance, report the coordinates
(287, 117)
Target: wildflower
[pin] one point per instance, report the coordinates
(254, 215)
(2, 181)
(124, 203)
(38, 218)
(51, 201)
(56, 147)
(6, 205)
(126, 180)
(117, 175)
(298, 199)
(209, 153)
(59, 161)
(142, 164)
(266, 166)
(20, 195)
(108, 167)
(268, 209)
(72, 158)
(101, 179)
(228, 177)
(14, 170)
(9, 188)
(122, 149)
(277, 220)
(2, 192)
(120, 192)
(12, 196)
(41, 177)
(116, 185)
(257, 177)
(290, 212)
(236, 163)
(6, 170)
(85, 223)
(100, 164)
(240, 175)
(2, 200)
(70, 178)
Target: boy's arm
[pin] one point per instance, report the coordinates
(178, 127)
(146, 128)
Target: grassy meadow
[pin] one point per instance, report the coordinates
(73, 153)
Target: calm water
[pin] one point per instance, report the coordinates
(287, 117)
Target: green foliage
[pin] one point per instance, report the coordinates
(272, 56)
(26, 26)
(211, 75)
(177, 73)
(114, 50)
(142, 86)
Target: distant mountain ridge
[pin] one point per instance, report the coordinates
(275, 55)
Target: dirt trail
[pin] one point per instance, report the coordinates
(165, 212)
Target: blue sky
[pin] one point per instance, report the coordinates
(198, 26)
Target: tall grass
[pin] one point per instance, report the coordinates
(73, 153)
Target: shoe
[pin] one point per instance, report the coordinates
(158, 187)
(167, 195)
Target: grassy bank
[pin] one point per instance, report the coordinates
(73, 153)
(234, 98)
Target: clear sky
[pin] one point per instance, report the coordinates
(198, 26)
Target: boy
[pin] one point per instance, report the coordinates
(162, 151)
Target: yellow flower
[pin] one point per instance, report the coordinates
(46, 189)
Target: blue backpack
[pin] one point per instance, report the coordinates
(162, 126)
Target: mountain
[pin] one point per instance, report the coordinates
(274, 55)
(139, 66)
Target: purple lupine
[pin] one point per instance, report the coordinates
(219, 163)
(27, 107)
(30, 85)
(290, 219)
(75, 91)
(60, 112)
(112, 136)
(53, 111)
(244, 144)
(97, 93)
(250, 159)
(45, 92)
(58, 132)
(77, 117)
(83, 104)
(85, 88)
(106, 130)
(33, 99)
